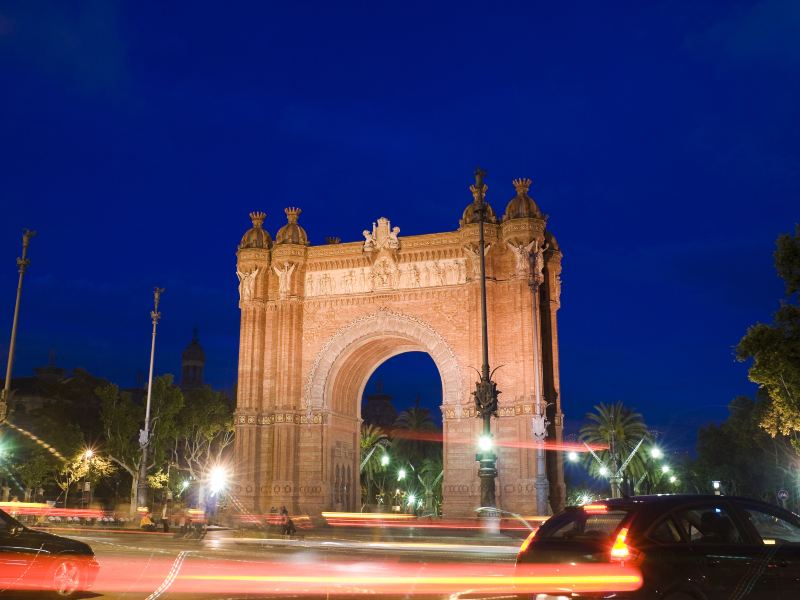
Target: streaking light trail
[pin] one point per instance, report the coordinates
(187, 574)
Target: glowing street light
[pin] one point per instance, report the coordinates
(604, 471)
(486, 391)
(411, 499)
(384, 460)
(673, 479)
(715, 484)
(88, 454)
(572, 456)
(656, 452)
(401, 474)
(218, 479)
(485, 443)
(665, 468)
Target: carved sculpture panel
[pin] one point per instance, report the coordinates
(386, 275)
(247, 284)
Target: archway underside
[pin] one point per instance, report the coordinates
(351, 373)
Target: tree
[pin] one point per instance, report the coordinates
(373, 440)
(775, 348)
(36, 469)
(430, 478)
(81, 467)
(618, 430)
(740, 454)
(122, 418)
(413, 438)
(204, 431)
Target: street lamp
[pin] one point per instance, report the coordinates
(665, 469)
(86, 496)
(401, 474)
(604, 471)
(218, 479)
(144, 434)
(572, 456)
(656, 452)
(485, 390)
(22, 264)
(485, 443)
(715, 484)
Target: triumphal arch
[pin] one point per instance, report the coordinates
(317, 320)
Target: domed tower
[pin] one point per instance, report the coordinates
(256, 236)
(193, 361)
(522, 205)
(292, 233)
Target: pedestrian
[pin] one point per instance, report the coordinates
(286, 522)
(146, 524)
(164, 520)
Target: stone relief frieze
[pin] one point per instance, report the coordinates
(385, 274)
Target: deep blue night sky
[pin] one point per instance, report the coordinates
(662, 138)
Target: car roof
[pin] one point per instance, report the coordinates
(668, 501)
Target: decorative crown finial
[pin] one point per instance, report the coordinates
(333, 239)
(257, 217)
(292, 214)
(522, 185)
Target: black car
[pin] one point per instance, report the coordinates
(686, 547)
(35, 560)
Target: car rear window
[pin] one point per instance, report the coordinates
(582, 525)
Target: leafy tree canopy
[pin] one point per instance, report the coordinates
(775, 348)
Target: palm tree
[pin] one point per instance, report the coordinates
(430, 478)
(373, 439)
(412, 437)
(618, 429)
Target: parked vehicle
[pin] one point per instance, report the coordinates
(35, 560)
(687, 547)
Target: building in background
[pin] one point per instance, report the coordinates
(193, 362)
(378, 409)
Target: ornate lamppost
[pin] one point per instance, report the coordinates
(539, 421)
(144, 434)
(22, 264)
(485, 390)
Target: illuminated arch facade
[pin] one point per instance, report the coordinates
(316, 321)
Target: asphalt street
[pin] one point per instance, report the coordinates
(137, 566)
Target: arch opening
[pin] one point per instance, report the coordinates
(401, 441)
(336, 385)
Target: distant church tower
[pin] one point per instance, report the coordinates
(193, 360)
(378, 409)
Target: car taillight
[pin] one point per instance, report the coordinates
(528, 541)
(620, 550)
(623, 552)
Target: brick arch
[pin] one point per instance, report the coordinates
(344, 364)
